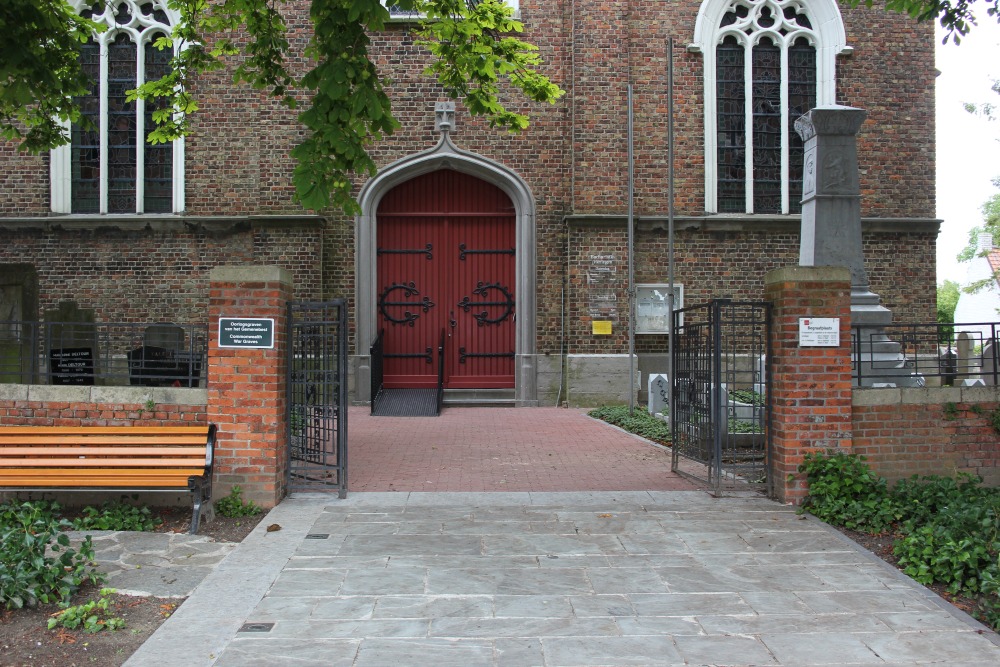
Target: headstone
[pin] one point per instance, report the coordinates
(989, 366)
(72, 344)
(18, 322)
(657, 401)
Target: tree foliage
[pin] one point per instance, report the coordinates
(947, 301)
(957, 17)
(40, 70)
(474, 47)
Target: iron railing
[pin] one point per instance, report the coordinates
(950, 353)
(720, 416)
(103, 353)
(377, 355)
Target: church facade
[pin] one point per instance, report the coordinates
(513, 249)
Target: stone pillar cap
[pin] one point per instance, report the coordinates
(830, 120)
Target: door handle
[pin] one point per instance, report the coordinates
(451, 322)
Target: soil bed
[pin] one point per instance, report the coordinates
(26, 641)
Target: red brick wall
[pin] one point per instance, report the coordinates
(905, 432)
(246, 386)
(155, 276)
(89, 413)
(810, 386)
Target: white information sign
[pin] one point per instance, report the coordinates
(819, 332)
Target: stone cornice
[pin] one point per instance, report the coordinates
(160, 223)
(776, 224)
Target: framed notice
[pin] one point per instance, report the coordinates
(246, 332)
(819, 332)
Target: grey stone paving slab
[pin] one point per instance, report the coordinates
(558, 580)
(787, 623)
(723, 650)
(334, 629)
(269, 652)
(610, 580)
(488, 628)
(435, 652)
(930, 647)
(518, 652)
(601, 605)
(388, 581)
(820, 648)
(411, 545)
(558, 545)
(532, 606)
(426, 607)
(689, 604)
(654, 651)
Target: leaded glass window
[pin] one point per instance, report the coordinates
(112, 168)
(765, 78)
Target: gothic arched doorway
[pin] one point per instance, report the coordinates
(446, 264)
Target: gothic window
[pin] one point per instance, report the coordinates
(109, 166)
(765, 65)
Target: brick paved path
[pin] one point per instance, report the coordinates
(502, 449)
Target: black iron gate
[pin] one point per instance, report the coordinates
(720, 417)
(317, 396)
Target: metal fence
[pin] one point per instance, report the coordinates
(317, 396)
(930, 354)
(103, 353)
(720, 412)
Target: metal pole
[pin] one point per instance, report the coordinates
(670, 230)
(631, 264)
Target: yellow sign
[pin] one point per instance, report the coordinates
(602, 327)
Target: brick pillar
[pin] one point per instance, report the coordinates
(246, 385)
(811, 387)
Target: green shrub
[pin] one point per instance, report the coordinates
(234, 506)
(116, 515)
(949, 531)
(36, 563)
(640, 422)
(92, 616)
(843, 491)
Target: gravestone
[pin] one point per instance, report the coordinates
(72, 344)
(18, 316)
(831, 236)
(657, 401)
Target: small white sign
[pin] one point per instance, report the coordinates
(246, 332)
(819, 332)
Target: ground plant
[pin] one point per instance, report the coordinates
(945, 530)
(37, 564)
(116, 515)
(91, 617)
(234, 506)
(638, 421)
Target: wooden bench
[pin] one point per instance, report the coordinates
(109, 458)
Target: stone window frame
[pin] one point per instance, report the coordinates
(403, 17)
(829, 39)
(60, 163)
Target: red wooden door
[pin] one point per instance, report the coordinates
(446, 263)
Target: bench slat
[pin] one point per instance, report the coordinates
(56, 430)
(70, 478)
(14, 451)
(109, 463)
(7, 440)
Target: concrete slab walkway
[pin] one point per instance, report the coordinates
(550, 576)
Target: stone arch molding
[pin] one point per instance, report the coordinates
(445, 155)
(827, 35)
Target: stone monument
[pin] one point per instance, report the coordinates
(831, 236)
